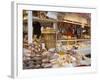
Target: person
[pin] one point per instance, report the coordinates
(36, 29)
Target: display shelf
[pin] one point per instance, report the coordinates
(52, 20)
(40, 19)
(64, 40)
(49, 33)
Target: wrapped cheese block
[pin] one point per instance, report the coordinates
(47, 65)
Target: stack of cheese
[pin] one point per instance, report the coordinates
(38, 57)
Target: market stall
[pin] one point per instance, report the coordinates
(59, 40)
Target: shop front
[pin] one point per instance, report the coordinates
(56, 39)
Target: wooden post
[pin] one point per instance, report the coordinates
(30, 28)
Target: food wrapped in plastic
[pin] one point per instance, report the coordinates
(46, 65)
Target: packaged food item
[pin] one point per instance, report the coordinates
(61, 53)
(46, 65)
(45, 60)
